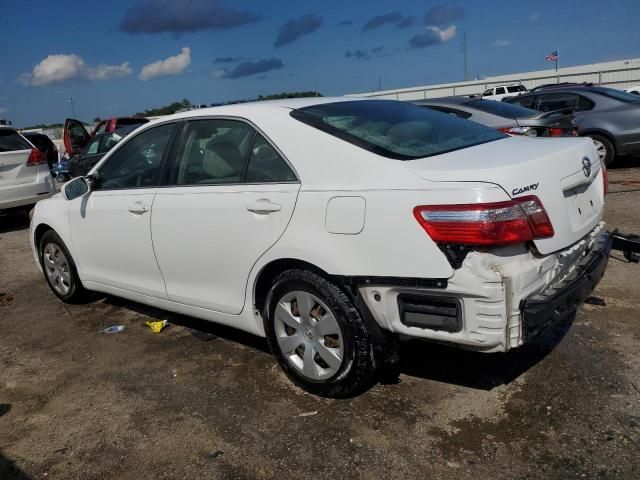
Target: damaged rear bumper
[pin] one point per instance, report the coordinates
(543, 309)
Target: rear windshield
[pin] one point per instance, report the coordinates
(502, 109)
(130, 121)
(618, 95)
(393, 129)
(11, 140)
(39, 140)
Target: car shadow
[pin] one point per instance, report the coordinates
(201, 329)
(627, 161)
(8, 468)
(483, 371)
(421, 359)
(13, 221)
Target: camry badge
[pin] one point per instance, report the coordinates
(586, 167)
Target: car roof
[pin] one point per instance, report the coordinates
(241, 109)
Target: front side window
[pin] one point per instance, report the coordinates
(398, 130)
(101, 128)
(137, 163)
(266, 165)
(213, 152)
(488, 92)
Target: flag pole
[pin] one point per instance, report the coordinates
(557, 58)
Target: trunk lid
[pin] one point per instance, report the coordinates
(564, 173)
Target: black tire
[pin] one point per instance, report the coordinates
(359, 365)
(608, 147)
(77, 293)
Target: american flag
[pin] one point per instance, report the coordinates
(552, 57)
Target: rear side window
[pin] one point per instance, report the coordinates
(557, 101)
(393, 129)
(516, 89)
(502, 109)
(526, 102)
(10, 140)
(500, 91)
(450, 111)
(266, 165)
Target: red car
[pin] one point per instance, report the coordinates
(76, 136)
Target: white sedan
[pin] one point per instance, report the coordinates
(334, 227)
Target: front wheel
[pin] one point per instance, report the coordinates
(318, 336)
(60, 270)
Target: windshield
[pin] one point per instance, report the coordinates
(619, 95)
(502, 109)
(393, 129)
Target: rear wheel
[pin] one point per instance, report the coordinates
(60, 270)
(604, 147)
(318, 336)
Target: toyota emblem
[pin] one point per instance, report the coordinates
(586, 167)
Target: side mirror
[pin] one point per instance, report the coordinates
(76, 188)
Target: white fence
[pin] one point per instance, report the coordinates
(621, 74)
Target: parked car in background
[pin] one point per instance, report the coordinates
(635, 90)
(112, 124)
(546, 86)
(45, 145)
(83, 161)
(510, 119)
(25, 177)
(334, 226)
(609, 116)
(502, 91)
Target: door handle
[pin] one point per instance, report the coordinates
(138, 207)
(264, 207)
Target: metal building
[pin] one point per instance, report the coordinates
(619, 74)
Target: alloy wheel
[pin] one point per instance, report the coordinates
(601, 149)
(56, 268)
(308, 335)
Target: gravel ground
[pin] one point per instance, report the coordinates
(200, 401)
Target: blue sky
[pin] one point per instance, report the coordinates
(127, 55)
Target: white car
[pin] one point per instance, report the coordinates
(503, 91)
(334, 227)
(24, 173)
(635, 90)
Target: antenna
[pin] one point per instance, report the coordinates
(73, 108)
(463, 44)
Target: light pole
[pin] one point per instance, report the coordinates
(463, 43)
(73, 108)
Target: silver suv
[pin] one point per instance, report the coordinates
(24, 173)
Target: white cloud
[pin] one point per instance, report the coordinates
(62, 68)
(444, 35)
(501, 43)
(170, 66)
(534, 17)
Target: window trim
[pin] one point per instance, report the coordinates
(163, 160)
(172, 164)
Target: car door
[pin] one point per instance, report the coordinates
(111, 226)
(75, 136)
(230, 197)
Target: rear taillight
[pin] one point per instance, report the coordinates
(526, 131)
(36, 157)
(556, 132)
(500, 223)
